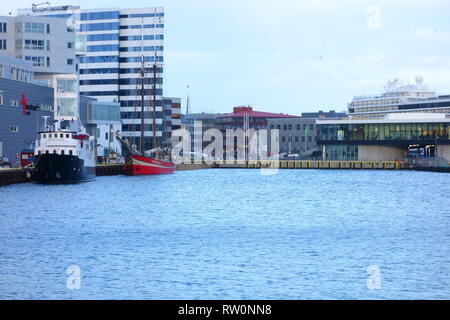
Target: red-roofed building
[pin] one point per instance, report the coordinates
(256, 119)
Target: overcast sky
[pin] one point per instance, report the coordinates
(293, 56)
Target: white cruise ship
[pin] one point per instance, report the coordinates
(399, 98)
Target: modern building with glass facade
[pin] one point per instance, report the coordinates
(112, 43)
(102, 121)
(390, 138)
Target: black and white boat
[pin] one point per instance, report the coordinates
(64, 156)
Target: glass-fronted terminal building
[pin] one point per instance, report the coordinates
(395, 137)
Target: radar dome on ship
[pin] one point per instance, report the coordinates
(419, 79)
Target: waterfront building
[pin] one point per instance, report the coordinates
(399, 99)
(172, 119)
(394, 137)
(102, 121)
(208, 121)
(245, 118)
(23, 103)
(298, 136)
(48, 44)
(113, 42)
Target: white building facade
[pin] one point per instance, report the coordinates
(47, 44)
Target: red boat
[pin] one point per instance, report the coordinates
(138, 165)
(141, 162)
(137, 162)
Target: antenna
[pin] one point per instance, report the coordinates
(188, 101)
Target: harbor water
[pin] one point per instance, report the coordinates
(230, 234)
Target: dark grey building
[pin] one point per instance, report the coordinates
(23, 103)
(171, 119)
(297, 135)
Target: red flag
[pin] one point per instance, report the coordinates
(24, 104)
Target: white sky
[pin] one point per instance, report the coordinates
(293, 56)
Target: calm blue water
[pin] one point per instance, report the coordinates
(229, 234)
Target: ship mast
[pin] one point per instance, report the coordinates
(154, 102)
(142, 94)
(155, 67)
(142, 105)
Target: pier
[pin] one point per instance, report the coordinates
(286, 164)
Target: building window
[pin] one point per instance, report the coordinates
(65, 86)
(285, 127)
(48, 61)
(3, 27)
(106, 135)
(37, 61)
(34, 44)
(14, 129)
(33, 27)
(2, 44)
(14, 103)
(283, 139)
(1, 99)
(69, 45)
(70, 62)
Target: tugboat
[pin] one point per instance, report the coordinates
(64, 156)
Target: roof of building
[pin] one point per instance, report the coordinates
(240, 112)
(412, 117)
(16, 62)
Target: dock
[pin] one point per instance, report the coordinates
(286, 164)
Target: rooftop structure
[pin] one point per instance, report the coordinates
(399, 98)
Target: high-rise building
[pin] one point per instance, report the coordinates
(114, 46)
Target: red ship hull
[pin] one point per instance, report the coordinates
(143, 166)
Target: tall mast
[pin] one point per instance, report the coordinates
(155, 66)
(142, 105)
(142, 93)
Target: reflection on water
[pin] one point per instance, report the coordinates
(229, 234)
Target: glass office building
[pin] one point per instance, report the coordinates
(346, 139)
